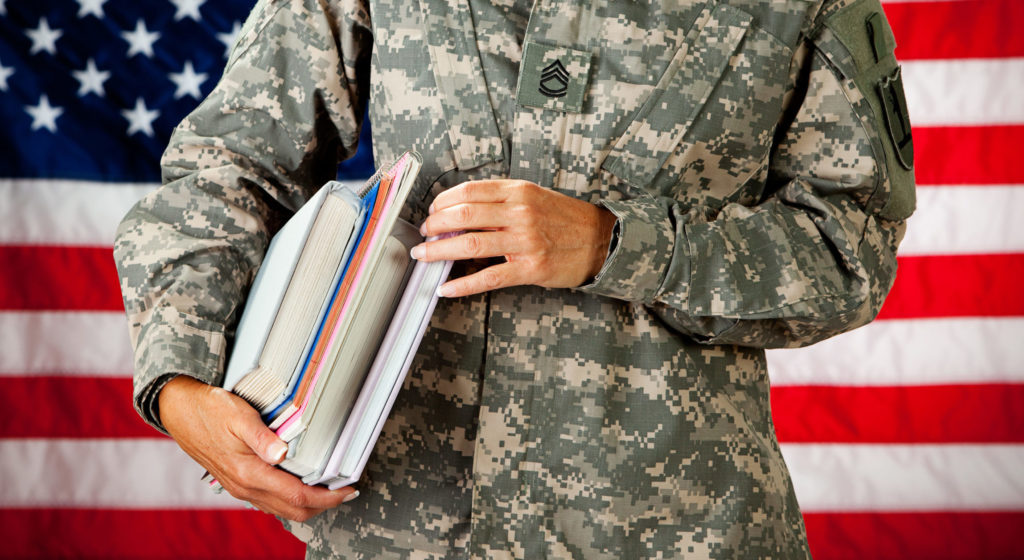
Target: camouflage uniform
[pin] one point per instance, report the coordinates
(760, 175)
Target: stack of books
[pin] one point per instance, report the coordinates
(332, 322)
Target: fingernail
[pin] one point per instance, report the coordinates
(417, 252)
(444, 290)
(431, 209)
(423, 229)
(350, 497)
(277, 451)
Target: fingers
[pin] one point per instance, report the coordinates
(466, 216)
(279, 493)
(225, 435)
(261, 439)
(476, 245)
(555, 241)
(492, 191)
(254, 479)
(491, 278)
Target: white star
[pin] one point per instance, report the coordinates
(44, 38)
(140, 119)
(188, 82)
(229, 38)
(5, 72)
(44, 115)
(187, 8)
(94, 7)
(90, 80)
(141, 40)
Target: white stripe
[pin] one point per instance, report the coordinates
(64, 212)
(965, 91)
(103, 473)
(155, 474)
(966, 220)
(909, 352)
(840, 478)
(65, 343)
(895, 352)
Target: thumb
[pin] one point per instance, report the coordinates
(262, 440)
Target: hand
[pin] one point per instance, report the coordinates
(224, 434)
(547, 238)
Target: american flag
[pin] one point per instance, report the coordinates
(904, 437)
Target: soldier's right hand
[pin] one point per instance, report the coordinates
(224, 434)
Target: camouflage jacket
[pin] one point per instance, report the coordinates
(757, 158)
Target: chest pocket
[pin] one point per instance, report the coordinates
(708, 123)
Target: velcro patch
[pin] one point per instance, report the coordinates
(553, 78)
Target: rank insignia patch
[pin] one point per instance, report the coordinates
(554, 82)
(553, 78)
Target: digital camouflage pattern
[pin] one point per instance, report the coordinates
(742, 148)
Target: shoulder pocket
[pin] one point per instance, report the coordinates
(863, 30)
(669, 112)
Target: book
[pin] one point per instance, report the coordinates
(344, 366)
(332, 322)
(384, 378)
(254, 362)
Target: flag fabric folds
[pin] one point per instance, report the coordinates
(905, 438)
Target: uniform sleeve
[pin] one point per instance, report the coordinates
(817, 255)
(286, 110)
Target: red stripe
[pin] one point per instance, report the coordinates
(42, 533)
(46, 278)
(913, 535)
(968, 155)
(87, 533)
(914, 414)
(80, 279)
(957, 286)
(979, 29)
(70, 407)
(101, 407)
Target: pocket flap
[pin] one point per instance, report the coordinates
(669, 112)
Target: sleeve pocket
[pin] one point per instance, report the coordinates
(863, 30)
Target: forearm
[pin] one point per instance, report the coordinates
(234, 170)
(815, 257)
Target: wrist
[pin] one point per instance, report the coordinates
(604, 230)
(176, 393)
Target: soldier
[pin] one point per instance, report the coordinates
(654, 196)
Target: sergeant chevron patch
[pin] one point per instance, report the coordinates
(553, 78)
(554, 82)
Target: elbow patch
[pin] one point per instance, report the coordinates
(863, 30)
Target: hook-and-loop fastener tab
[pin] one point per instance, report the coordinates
(894, 101)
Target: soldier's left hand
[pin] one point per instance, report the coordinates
(547, 238)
